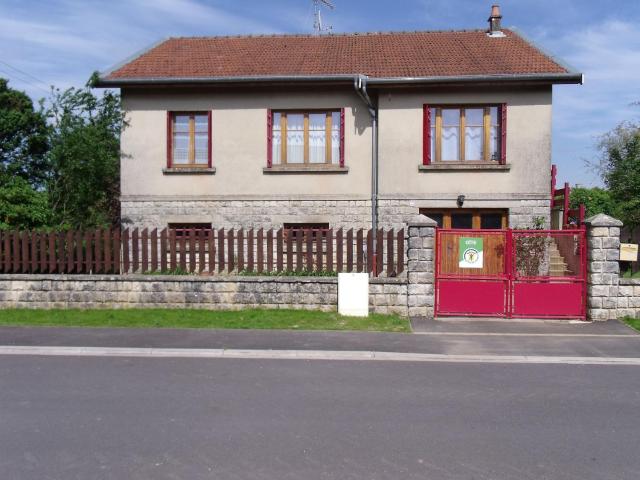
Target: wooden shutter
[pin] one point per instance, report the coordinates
(209, 140)
(341, 137)
(426, 135)
(269, 138)
(169, 139)
(503, 134)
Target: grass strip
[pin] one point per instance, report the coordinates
(186, 318)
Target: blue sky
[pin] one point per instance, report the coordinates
(60, 42)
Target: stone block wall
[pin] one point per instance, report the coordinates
(248, 213)
(609, 296)
(629, 298)
(388, 296)
(603, 269)
(339, 212)
(212, 293)
(421, 263)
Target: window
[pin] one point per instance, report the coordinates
(305, 232)
(471, 133)
(189, 140)
(302, 230)
(461, 220)
(468, 218)
(184, 231)
(310, 139)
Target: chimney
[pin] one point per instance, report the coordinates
(494, 22)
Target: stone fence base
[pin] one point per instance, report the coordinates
(629, 298)
(213, 293)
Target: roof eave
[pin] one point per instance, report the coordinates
(548, 78)
(261, 79)
(542, 78)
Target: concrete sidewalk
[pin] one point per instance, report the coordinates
(541, 339)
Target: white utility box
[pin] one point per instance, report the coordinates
(353, 294)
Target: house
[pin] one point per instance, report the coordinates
(340, 130)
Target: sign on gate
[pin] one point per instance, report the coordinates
(470, 253)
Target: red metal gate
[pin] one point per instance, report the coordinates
(511, 273)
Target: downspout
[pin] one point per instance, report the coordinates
(360, 84)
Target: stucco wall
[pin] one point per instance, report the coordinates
(528, 145)
(241, 194)
(239, 144)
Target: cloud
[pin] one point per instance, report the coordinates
(45, 35)
(608, 53)
(201, 16)
(62, 42)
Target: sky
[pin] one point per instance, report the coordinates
(61, 42)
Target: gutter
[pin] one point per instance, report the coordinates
(360, 85)
(571, 77)
(557, 78)
(264, 79)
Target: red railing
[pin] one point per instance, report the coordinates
(560, 200)
(203, 251)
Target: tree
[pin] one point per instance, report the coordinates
(596, 200)
(620, 169)
(85, 158)
(23, 137)
(21, 206)
(23, 162)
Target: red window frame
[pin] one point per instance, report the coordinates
(170, 119)
(270, 113)
(426, 134)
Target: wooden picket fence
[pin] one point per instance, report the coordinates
(203, 251)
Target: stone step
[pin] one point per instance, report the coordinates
(558, 262)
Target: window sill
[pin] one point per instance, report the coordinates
(279, 169)
(189, 171)
(464, 167)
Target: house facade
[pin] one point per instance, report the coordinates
(338, 131)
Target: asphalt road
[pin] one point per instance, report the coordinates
(118, 418)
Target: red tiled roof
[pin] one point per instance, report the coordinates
(378, 55)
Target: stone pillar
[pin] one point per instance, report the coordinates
(603, 269)
(420, 266)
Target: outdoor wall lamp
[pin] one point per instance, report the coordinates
(460, 200)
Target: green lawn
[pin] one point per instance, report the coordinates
(160, 318)
(628, 274)
(632, 322)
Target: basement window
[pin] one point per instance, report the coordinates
(303, 233)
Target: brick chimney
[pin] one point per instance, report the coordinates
(494, 22)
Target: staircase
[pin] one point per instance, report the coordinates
(557, 265)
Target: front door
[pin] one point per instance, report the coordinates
(469, 218)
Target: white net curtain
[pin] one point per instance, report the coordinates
(295, 136)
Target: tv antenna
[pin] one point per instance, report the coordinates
(317, 16)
